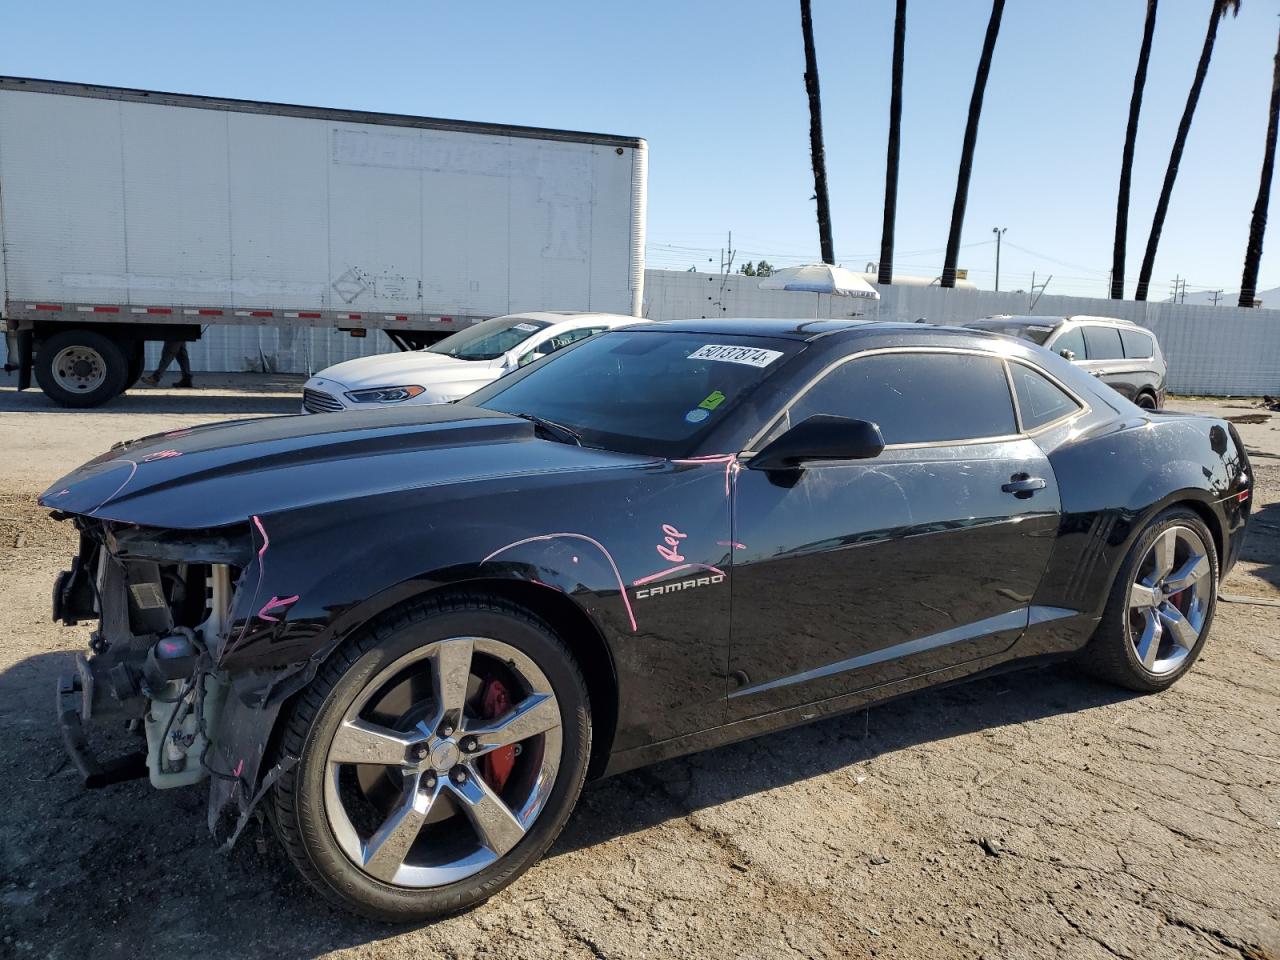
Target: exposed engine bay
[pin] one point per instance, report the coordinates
(162, 600)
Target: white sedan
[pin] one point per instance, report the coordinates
(455, 366)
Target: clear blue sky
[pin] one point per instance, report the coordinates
(717, 91)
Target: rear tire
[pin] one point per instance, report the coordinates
(412, 833)
(137, 364)
(1146, 401)
(1151, 633)
(80, 368)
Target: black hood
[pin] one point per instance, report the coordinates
(224, 473)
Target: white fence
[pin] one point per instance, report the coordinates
(1210, 350)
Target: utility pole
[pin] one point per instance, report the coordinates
(999, 232)
(1217, 295)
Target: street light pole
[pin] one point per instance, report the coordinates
(999, 232)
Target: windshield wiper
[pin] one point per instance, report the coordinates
(557, 431)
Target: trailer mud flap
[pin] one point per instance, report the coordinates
(26, 352)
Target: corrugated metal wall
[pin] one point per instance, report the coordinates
(1211, 350)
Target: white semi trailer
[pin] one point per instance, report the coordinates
(134, 215)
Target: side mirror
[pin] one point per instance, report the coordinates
(1067, 354)
(821, 437)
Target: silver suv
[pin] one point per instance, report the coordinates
(1120, 353)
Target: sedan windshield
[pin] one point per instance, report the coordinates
(648, 392)
(1035, 332)
(490, 339)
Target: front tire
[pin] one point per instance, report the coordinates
(1161, 606)
(440, 752)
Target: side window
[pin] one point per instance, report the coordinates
(1137, 345)
(917, 397)
(1103, 342)
(1040, 400)
(558, 342)
(1072, 340)
(562, 340)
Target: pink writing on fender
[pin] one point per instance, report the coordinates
(670, 550)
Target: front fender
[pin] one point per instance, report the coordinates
(604, 540)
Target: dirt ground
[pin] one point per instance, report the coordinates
(1033, 815)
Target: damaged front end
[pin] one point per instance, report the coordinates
(167, 605)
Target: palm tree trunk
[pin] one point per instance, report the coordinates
(1217, 12)
(895, 141)
(815, 134)
(1126, 159)
(1258, 225)
(970, 141)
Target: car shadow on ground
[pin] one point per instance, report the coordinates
(152, 867)
(676, 788)
(1262, 543)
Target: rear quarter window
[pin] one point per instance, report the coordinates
(1137, 345)
(1040, 400)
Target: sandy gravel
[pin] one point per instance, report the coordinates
(1034, 815)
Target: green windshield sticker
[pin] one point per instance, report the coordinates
(713, 400)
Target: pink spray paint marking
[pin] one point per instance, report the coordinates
(262, 569)
(133, 468)
(622, 588)
(670, 570)
(670, 549)
(161, 455)
(276, 603)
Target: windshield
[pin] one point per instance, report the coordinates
(648, 392)
(489, 339)
(1035, 332)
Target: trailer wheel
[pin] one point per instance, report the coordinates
(80, 368)
(137, 364)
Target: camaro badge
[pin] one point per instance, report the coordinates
(660, 588)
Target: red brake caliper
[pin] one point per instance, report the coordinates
(496, 765)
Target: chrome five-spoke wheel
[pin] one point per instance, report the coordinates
(1170, 598)
(443, 762)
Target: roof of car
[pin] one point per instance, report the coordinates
(562, 316)
(784, 328)
(1020, 320)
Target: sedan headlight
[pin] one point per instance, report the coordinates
(384, 394)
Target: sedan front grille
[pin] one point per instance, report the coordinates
(317, 401)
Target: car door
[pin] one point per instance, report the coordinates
(851, 574)
(1106, 359)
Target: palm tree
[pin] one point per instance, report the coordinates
(1216, 13)
(970, 141)
(895, 140)
(815, 134)
(1126, 159)
(1258, 225)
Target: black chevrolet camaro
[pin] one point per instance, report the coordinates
(409, 635)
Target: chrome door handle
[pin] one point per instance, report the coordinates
(1022, 486)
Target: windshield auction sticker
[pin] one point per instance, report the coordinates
(726, 353)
